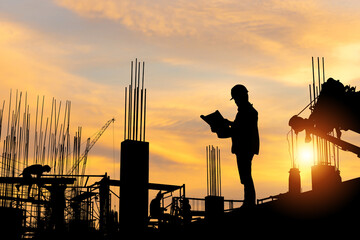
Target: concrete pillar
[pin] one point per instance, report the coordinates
(294, 181)
(134, 180)
(214, 207)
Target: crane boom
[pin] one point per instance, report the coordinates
(89, 145)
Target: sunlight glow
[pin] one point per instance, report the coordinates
(305, 156)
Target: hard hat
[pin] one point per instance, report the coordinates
(238, 90)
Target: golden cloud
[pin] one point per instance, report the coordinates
(256, 38)
(271, 40)
(25, 70)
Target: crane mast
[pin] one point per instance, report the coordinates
(89, 145)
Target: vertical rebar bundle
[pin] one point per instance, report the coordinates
(135, 104)
(213, 171)
(325, 153)
(49, 142)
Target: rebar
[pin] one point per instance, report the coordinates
(323, 150)
(135, 109)
(213, 171)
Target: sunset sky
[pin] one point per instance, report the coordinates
(195, 52)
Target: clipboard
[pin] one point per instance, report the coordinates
(215, 120)
(218, 124)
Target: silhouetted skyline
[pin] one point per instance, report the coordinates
(79, 53)
(72, 51)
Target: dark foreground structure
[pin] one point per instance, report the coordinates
(322, 212)
(69, 204)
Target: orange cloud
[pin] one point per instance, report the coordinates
(283, 34)
(266, 45)
(23, 69)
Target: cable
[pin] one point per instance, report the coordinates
(113, 133)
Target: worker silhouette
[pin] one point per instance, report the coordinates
(57, 205)
(27, 173)
(244, 134)
(185, 210)
(156, 211)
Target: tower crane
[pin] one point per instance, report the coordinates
(89, 145)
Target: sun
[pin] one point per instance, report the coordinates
(306, 156)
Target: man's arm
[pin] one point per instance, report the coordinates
(225, 131)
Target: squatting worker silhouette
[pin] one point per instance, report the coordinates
(27, 173)
(244, 134)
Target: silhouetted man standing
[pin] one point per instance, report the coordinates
(245, 139)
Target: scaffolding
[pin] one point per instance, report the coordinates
(64, 194)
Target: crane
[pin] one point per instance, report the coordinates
(89, 145)
(337, 107)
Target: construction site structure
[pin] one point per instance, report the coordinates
(214, 202)
(45, 202)
(67, 203)
(134, 162)
(331, 202)
(325, 171)
(294, 181)
(134, 177)
(294, 173)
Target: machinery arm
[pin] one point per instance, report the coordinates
(337, 107)
(90, 145)
(337, 141)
